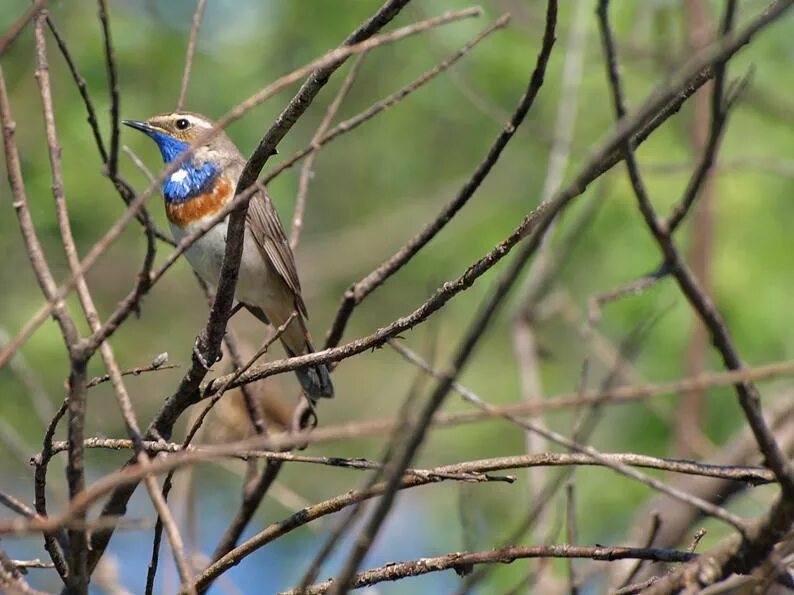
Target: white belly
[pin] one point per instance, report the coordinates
(254, 285)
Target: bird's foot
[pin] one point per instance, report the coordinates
(199, 348)
(304, 419)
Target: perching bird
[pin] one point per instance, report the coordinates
(267, 284)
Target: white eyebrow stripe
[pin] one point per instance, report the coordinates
(198, 121)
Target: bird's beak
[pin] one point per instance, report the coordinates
(142, 126)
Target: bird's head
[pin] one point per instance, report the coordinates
(174, 132)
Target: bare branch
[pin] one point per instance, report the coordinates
(306, 170)
(191, 50)
(252, 448)
(700, 503)
(156, 365)
(354, 122)
(113, 87)
(33, 246)
(749, 398)
(720, 109)
(357, 292)
(656, 522)
(16, 505)
(462, 562)
(55, 544)
(13, 32)
(11, 580)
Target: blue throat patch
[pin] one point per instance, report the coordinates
(190, 180)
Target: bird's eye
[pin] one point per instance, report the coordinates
(182, 124)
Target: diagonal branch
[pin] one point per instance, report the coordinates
(191, 51)
(306, 171)
(113, 88)
(13, 32)
(749, 398)
(355, 121)
(357, 292)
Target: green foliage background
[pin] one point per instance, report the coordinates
(372, 190)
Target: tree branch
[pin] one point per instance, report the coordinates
(463, 562)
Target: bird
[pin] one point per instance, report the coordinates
(267, 284)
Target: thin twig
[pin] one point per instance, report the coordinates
(617, 395)
(321, 509)
(33, 246)
(75, 476)
(138, 163)
(191, 50)
(194, 428)
(124, 189)
(92, 316)
(155, 366)
(349, 520)
(570, 535)
(635, 287)
(280, 330)
(355, 121)
(33, 564)
(720, 109)
(113, 88)
(656, 523)
(705, 139)
(11, 580)
(357, 292)
(13, 32)
(79, 81)
(16, 505)
(306, 171)
(54, 544)
(252, 496)
(703, 505)
(18, 527)
(171, 529)
(547, 262)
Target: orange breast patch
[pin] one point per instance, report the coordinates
(191, 210)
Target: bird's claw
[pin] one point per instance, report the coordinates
(199, 347)
(304, 419)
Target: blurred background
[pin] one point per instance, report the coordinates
(371, 191)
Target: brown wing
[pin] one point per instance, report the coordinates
(268, 233)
